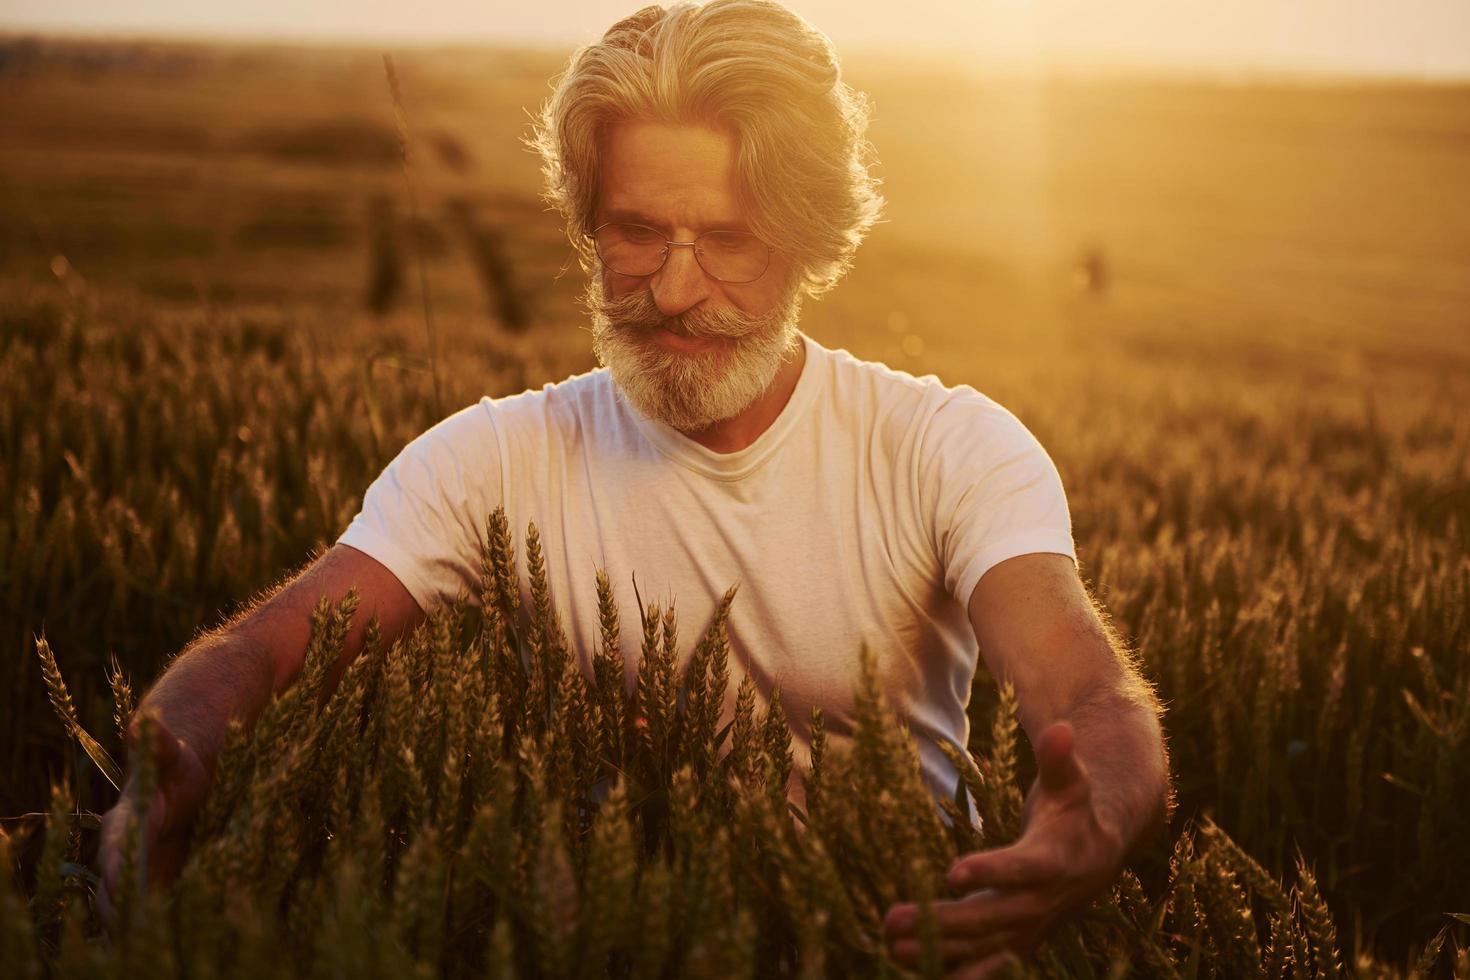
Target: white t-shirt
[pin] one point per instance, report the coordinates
(868, 511)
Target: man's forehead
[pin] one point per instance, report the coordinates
(666, 173)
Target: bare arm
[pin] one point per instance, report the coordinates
(1102, 786)
(231, 673)
(1038, 627)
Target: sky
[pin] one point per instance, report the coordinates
(1414, 38)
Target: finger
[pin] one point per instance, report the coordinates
(970, 948)
(1058, 769)
(1017, 866)
(982, 912)
(901, 919)
(110, 846)
(998, 965)
(160, 821)
(987, 912)
(118, 825)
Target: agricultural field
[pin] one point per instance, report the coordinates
(1238, 317)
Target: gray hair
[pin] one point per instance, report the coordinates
(748, 67)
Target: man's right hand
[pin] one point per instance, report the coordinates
(183, 780)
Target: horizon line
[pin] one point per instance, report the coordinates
(996, 65)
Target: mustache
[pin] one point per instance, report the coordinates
(638, 311)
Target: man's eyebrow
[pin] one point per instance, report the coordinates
(638, 217)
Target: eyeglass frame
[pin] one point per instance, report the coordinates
(592, 235)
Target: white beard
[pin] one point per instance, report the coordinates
(690, 391)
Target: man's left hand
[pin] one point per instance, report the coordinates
(1067, 853)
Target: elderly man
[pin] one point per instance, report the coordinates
(709, 162)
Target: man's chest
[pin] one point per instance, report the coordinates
(827, 555)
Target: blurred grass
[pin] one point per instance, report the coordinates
(1237, 317)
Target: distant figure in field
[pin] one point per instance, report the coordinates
(1091, 273)
(710, 164)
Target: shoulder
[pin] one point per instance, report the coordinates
(890, 404)
(922, 410)
(851, 374)
(966, 414)
(465, 435)
(490, 427)
(561, 409)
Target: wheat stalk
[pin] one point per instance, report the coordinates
(400, 122)
(61, 703)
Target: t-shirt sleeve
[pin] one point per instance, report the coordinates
(424, 516)
(991, 489)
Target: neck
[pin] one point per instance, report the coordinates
(737, 432)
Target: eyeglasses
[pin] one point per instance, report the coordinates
(637, 250)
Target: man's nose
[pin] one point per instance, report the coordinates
(681, 284)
